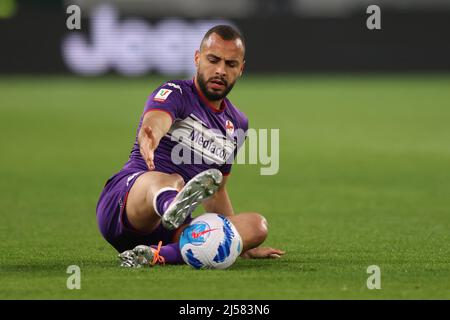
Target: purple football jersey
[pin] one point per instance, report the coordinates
(201, 137)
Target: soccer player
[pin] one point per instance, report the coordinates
(150, 200)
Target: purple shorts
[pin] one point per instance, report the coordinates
(112, 219)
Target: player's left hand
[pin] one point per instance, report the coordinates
(263, 253)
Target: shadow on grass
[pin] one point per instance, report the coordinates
(270, 265)
(112, 264)
(57, 266)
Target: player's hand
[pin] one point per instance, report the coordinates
(147, 145)
(263, 253)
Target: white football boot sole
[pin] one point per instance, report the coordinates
(139, 257)
(199, 188)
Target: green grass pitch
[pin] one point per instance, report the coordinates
(364, 180)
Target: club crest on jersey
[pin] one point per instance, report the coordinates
(229, 126)
(162, 95)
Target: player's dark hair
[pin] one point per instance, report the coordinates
(226, 32)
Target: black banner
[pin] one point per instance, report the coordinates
(230, 309)
(37, 40)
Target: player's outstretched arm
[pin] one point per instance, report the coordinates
(154, 126)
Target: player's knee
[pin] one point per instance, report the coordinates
(178, 181)
(260, 228)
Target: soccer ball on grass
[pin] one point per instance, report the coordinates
(210, 241)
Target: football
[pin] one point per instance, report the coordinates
(210, 241)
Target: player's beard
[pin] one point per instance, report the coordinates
(212, 96)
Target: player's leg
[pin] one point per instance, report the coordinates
(252, 228)
(139, 207)
(157, 196)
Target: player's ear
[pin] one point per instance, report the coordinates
(196, 58)
(242, 69)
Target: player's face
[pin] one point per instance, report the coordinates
(219, 63)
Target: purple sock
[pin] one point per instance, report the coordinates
(163, 199)
(171, 253)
